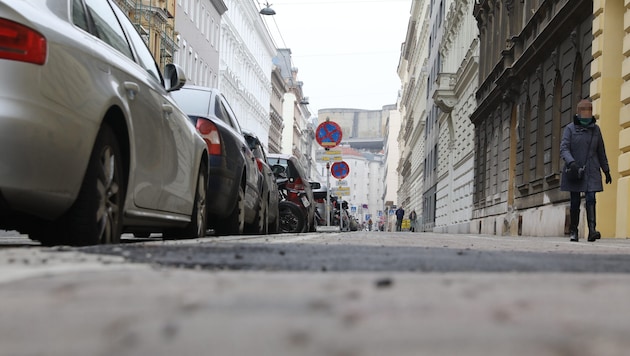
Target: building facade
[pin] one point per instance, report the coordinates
(198, 26)
(438, 70)
(535, 65)
(246, 57)
(276, 124)
(610, 91)
(412, 104)
(155, 22)
(298, 135)
(364, 181)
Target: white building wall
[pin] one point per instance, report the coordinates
(245, 65)
(413, 72)
(456, 136)
(392, 155)
(198, 26)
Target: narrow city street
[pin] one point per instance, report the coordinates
(337, 294)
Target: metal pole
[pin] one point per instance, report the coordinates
(327, 193)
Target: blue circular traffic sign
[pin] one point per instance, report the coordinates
(328, 134)
(340, 170)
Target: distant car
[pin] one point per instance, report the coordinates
(298, 186)
(267, 184)
(233, 194)
(92, 143)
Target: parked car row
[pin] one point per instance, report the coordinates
(98, 142)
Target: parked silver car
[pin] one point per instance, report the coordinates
(92, 143)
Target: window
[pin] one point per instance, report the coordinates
(145, 58)
(107, 27)
(78, 15)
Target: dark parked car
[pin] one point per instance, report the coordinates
(267, 184)
(298, 186)
(92, 143)
(234, 199)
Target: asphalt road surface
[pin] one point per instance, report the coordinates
(337, 294)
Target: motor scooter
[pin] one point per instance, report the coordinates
(292, 217)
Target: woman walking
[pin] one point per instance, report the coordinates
(582, 149)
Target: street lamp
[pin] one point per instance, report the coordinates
(267, 10)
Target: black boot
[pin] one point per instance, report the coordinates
(590, 219)
(573, 226)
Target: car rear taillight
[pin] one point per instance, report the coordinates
(20, 43)
(210, 134)
(260, 165)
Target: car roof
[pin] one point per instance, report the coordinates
(280, 155)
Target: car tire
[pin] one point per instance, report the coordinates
(291, 218)
(234, 224)
(198, 218)
(260, 225)
(96, 215)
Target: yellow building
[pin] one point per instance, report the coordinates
(610, 91)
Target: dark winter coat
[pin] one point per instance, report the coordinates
(575, 147)
(400, 213)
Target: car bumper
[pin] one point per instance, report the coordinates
(44, 156)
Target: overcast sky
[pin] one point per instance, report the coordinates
(346, 51)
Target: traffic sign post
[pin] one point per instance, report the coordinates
(328, 134)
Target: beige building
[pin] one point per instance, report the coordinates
(610, 90)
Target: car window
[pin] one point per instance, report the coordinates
(228, 109)
(222, 110)
(78, 15)
(145, 58)
(256, 147)
(192, 101)
(290, 172)
(107, 27)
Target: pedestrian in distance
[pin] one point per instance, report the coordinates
(412, 219)
(400, 214)
(584, 155)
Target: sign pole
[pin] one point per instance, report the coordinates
(327, 193)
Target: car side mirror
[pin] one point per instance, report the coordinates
(174, 77)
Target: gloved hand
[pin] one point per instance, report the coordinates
(572, 166)
(608, 177)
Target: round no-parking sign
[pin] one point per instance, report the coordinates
(340, 170)
(328, 134)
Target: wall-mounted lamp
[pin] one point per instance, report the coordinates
(267, 10)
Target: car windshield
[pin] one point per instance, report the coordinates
(192, 101)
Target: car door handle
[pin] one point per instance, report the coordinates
(132, 89)
(167, 108)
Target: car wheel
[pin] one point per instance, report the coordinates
(273, 227)
(198, 218)
(260, 222)
(96, 215)
(291, 218)
(235, 223)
